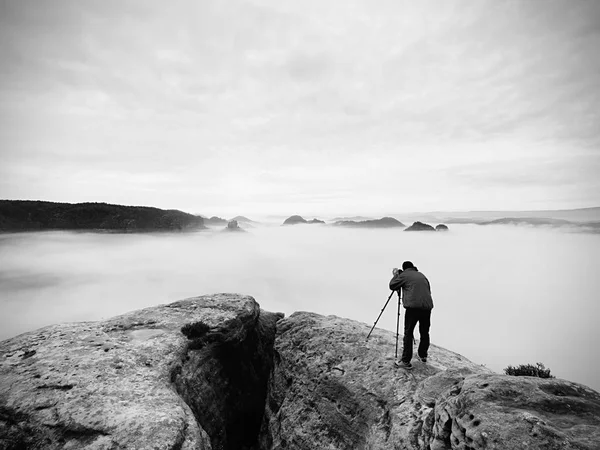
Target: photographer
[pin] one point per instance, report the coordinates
(418, 304)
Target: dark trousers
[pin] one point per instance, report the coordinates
(411, 317)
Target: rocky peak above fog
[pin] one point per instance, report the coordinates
(294, 220)
(233, 225)
(217, 372)
(384, 222)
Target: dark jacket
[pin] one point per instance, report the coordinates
(417, 291)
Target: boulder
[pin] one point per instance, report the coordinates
(420, 226)
(331, 388)
(137, 382)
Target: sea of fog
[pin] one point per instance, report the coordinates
(504, 295)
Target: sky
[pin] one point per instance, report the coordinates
(223, 107)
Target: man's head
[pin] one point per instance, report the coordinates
(407, 265)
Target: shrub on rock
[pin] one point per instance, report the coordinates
(529, 370)
(195, 330)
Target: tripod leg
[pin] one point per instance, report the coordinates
(397, 326)
(388, 300)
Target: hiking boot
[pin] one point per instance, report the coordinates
(423, 359)
(403, 365)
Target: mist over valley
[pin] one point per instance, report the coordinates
(503, 294)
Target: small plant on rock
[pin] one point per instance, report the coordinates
(529, 370)
(195, 330)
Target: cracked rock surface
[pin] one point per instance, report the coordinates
(330, 388)
(242, 378)
(109, 385)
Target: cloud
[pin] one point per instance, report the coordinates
(243, 86)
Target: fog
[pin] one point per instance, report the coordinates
(503, 294)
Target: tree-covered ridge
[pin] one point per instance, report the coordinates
(26, 215)
(384, 222)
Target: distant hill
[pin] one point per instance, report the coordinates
(295, 220)
(527, 221)
(233, 226)
(571, 215)
(242, 219)
(351, 219)
(420, 226)
(29, 215)
(385, 222)
(214, 220)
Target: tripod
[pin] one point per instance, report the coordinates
(397, 319)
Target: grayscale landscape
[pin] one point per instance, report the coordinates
(202, 203)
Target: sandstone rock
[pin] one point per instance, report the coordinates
(233, 225)
(332, 389)
(115, 384)
(500, 411)
(420, 226)
(210, 373)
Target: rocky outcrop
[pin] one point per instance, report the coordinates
(441, 227)
(384, 222)
(294, 220)
(233, 225)
(216, 372)
(420, 226)
(137, 382)
(330, 388)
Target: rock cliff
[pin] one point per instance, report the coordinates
(248, 379)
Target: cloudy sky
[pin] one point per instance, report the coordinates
(307, 107)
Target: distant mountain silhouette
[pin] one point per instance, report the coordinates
(28, 215)
(214, 220)
(465, 221)
(351, 219)
(242, 219)
(294, 220)
(527, 221)
(420, 226)
(441, 227)
(385, 222)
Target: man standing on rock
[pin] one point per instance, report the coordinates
(418, 304)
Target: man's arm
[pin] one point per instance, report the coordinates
(397, 281)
